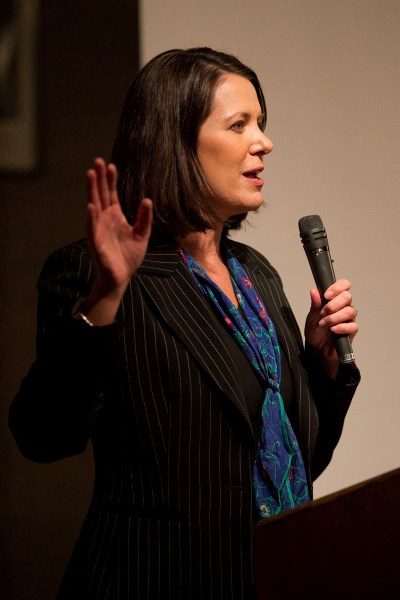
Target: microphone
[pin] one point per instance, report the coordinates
(315, 242)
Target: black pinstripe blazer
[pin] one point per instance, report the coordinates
(159, 395)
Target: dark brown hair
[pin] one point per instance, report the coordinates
(155, 149)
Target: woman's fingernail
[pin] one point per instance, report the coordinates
(328, 294)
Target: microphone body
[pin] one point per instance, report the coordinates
(315, 243)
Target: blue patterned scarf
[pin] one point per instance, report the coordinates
(279, 477)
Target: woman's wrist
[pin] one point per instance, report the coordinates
(328, 364)
(100, 307)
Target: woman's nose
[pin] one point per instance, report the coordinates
(261, 145)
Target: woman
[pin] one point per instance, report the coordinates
(175, 350)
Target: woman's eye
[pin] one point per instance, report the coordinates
(238, 126)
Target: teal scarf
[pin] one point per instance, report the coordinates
(279, 477)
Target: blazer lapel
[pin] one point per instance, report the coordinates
(169, 286)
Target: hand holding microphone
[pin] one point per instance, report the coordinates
(340, 314)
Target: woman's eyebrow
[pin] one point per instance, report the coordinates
(244, 115)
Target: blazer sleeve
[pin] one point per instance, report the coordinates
(59, 400)
(332, 399)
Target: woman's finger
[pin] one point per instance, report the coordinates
(343, 300)
(112, 178)
(142, 227)
(350, 328)
(344, 315)
(102, 183)
(341, 285)
(92, 190)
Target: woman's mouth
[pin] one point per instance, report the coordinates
(253, 177)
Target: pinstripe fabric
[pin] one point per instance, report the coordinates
(160, 396)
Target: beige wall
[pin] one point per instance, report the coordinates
(330, 71)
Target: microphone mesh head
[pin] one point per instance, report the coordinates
(306, 224)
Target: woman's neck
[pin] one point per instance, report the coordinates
(204, 247)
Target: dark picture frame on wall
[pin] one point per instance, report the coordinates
(18, 85)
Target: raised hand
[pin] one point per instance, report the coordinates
(118, 247)
(337, 316)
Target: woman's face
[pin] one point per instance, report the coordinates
(231, 147)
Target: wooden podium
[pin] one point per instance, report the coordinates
(344, 546)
